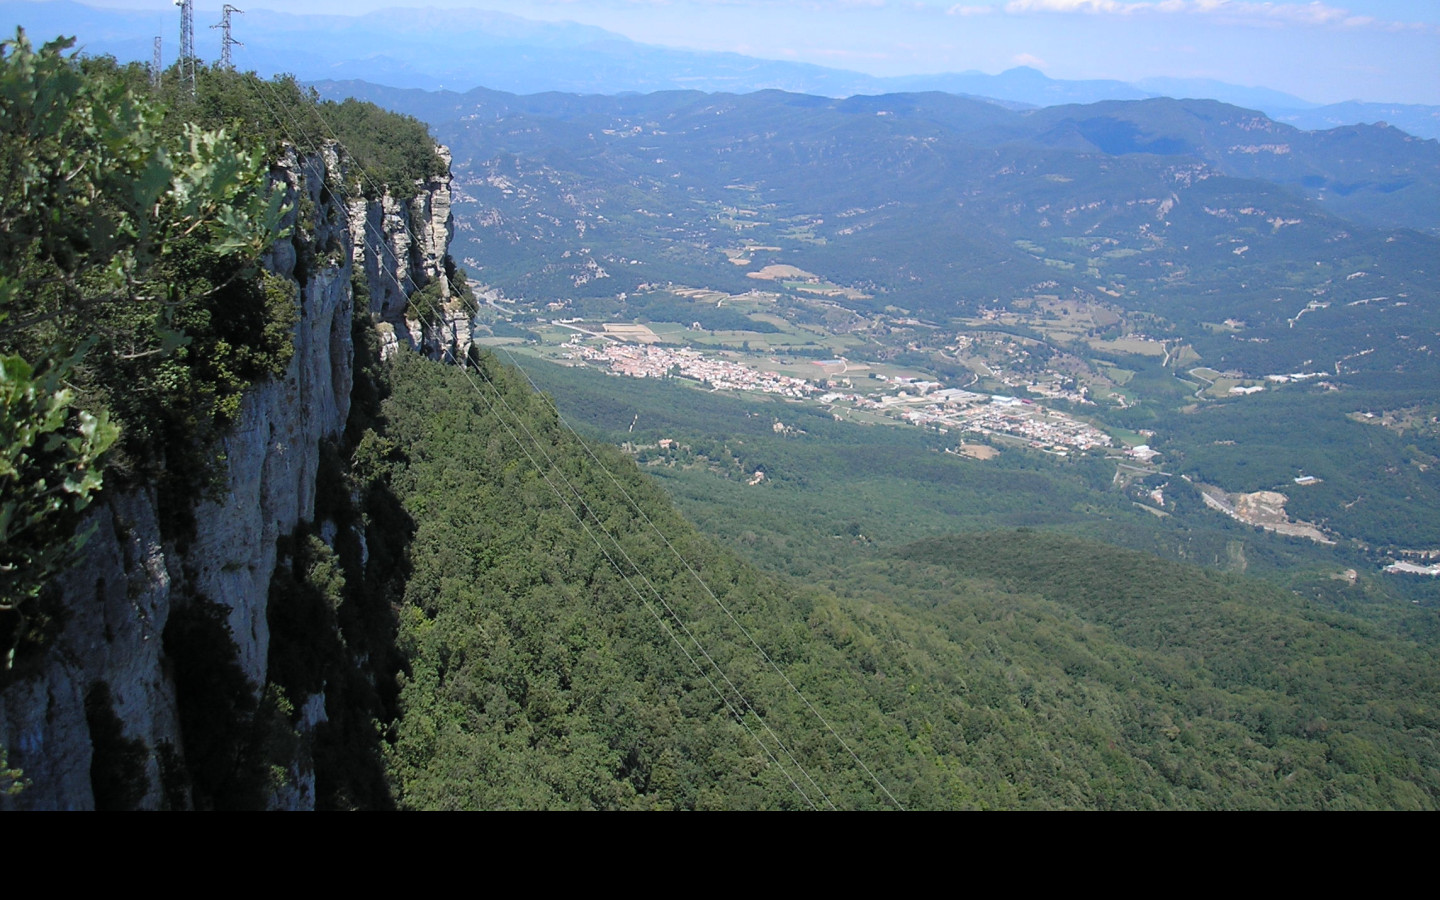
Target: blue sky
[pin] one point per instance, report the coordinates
(1379, 50)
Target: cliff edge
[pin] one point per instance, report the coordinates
(112, 715)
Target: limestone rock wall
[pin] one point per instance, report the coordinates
(118, 603)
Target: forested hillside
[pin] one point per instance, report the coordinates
(563, 648)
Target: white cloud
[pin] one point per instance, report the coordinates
(1314, 13)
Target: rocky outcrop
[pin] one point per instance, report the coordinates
(98, 719)
(401, 247)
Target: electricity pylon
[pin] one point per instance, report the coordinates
(226, 41)
(187, 42)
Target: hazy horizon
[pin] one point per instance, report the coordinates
(1384, 51)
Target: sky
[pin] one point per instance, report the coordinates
(1325, 52)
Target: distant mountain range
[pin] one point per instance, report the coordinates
(458, 50)
(1373, 174)
(1191, 210)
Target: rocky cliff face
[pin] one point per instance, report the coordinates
(99, 721)
(400, 245)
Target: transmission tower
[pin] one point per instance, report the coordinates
(226, 41)
(155, 66)
(187, 42)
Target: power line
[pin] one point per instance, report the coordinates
(585, 506)
(737, 714)
(706, 587)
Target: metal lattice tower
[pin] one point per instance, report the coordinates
(155, 65)
(226, 41)
(187, 41)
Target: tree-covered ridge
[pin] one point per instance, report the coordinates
(1005, 670)
(1335, 712)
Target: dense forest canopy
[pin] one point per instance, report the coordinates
(1008, 669)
